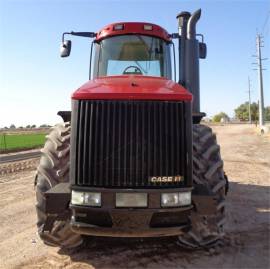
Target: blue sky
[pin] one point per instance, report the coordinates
(35, 82)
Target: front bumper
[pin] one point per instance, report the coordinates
(108, 220)
(152, 221)
(129, 223)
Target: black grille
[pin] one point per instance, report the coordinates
(123, 143)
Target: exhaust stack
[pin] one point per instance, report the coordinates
(191, 26)
(189, 55)
(182, 30)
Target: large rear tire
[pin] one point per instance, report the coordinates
(54, 169)
(207, 230)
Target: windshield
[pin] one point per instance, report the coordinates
(133, 55)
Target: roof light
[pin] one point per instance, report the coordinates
(118, 27)
(148, 27)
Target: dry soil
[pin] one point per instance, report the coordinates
(246, 156)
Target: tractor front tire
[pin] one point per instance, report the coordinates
(206, 230)
(52, 170)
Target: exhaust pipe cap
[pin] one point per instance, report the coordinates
(183, 14)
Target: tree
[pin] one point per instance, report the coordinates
(242, 112)
(267, 113)
(221, 116)
(28, 126)
(12, 126)
(33, 126)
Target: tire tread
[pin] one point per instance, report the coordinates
(52, 170)
(207, 170)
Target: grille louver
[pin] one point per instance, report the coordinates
(123, 143)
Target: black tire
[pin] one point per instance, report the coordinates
(207, 230)
(54, 169)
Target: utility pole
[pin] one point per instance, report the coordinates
(260, 78)
(249, 101)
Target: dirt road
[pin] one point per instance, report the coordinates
(247, 163)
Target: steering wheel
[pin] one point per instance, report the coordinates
(137, 70)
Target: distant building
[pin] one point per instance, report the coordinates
(225, 119)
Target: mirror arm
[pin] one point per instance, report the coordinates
(63, 36)
(174, 35)
(83, 34)
(202, 37)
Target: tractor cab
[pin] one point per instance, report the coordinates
(132, 55)
(130, 49)
(146, 52)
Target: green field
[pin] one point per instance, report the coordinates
(13, 142)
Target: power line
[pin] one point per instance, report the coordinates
(265, 22)
(266, 33)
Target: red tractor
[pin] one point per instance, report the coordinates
(132, 159)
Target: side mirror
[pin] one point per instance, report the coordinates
(202, 50)
(65, 48)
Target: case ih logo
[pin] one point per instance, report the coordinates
(166, 179)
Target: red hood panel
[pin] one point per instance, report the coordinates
(132, 88)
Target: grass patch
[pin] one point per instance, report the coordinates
(13, 142)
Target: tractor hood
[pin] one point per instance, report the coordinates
(132, 88)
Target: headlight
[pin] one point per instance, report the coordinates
(170, 199)
(77, 198)
(174, 199)
(92, 198)
(184, 198)
(86, 198)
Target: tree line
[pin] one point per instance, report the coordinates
(29, 126)
(242, 113)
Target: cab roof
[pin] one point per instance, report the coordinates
(125, 28)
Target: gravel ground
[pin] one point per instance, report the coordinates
(247, 163)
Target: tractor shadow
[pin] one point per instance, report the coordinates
(101, 252)
(247, 213)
